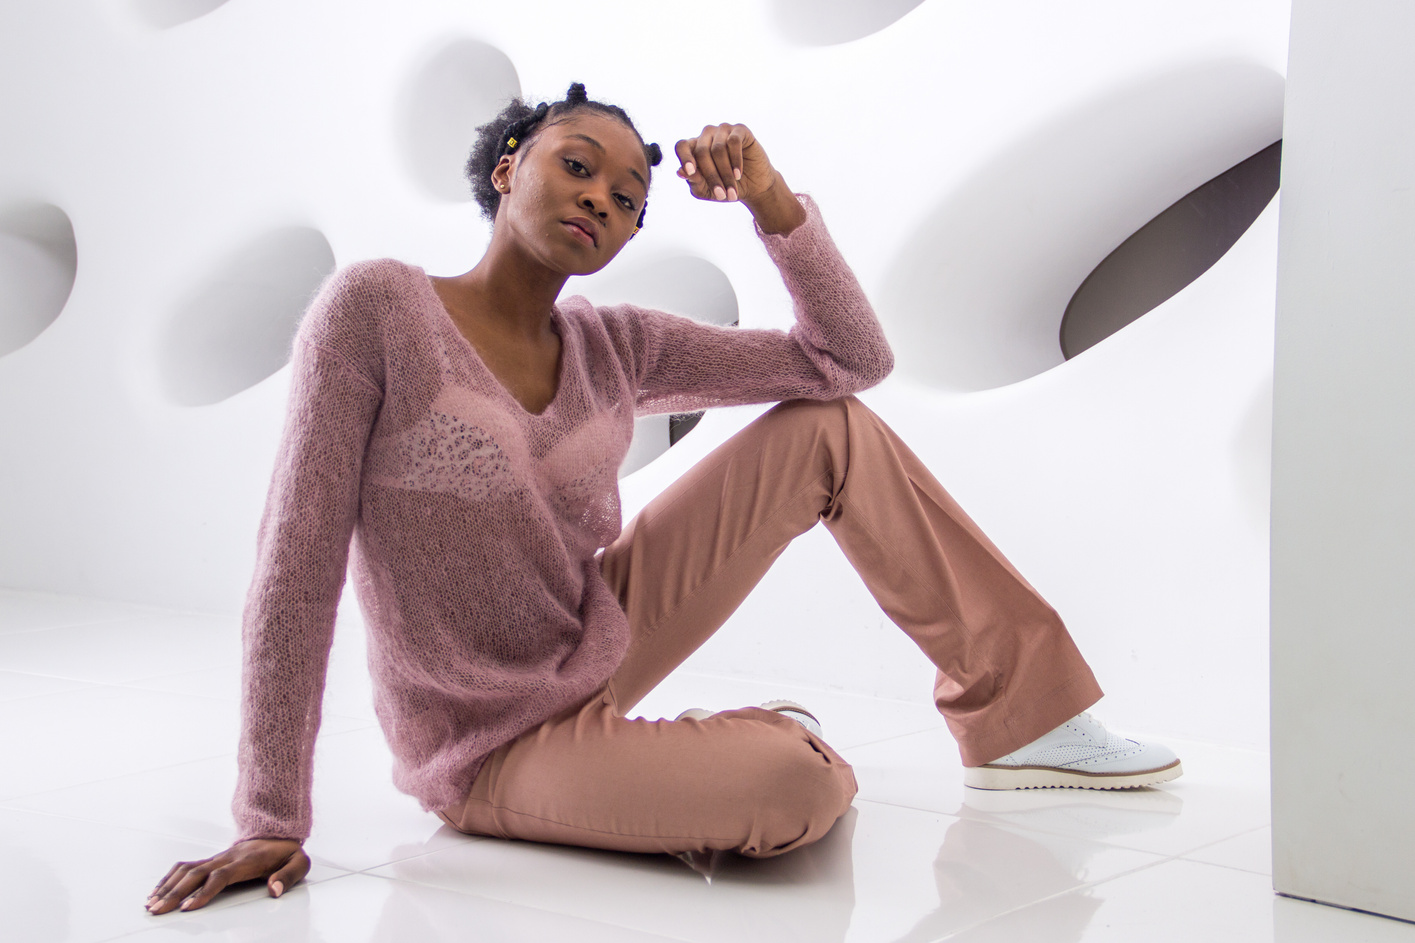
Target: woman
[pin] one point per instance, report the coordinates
(466, 433)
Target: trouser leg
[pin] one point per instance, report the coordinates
(1008, 670)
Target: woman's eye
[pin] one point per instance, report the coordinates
(576, 166)
(626, 202)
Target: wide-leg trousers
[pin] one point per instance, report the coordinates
(751, 780)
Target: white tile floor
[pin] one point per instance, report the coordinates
(117, 732)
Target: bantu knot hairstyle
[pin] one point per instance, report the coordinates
(516, 127)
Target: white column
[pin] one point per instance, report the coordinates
(1343, 531)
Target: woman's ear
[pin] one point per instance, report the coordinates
(501, 174)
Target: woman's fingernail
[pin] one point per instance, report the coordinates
(691, 168)
(277, 888)
(731, 193)
(187, 904)
(720, 193)
(736, 173)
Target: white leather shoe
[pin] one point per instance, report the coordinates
(788, 708)
(1080, 754)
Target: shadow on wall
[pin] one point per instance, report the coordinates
(38, 264)
(976, 297)
(460, 86)
(686, 285)
(235, 326)
(165, 14)
(827, 22)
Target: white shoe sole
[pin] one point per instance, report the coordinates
(1050, 777)
(782, 704)
(698, 713)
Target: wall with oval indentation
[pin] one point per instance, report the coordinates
(459, 86)
(234, 326)
(38, 265)
(205, 163)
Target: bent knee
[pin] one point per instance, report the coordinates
(828, 412)
(798, 794)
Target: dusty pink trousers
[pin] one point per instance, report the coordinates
(751, 780)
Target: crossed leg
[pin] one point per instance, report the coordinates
(751, 780)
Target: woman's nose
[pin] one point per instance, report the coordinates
(588, 202)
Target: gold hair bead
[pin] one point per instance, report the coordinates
(511, 144)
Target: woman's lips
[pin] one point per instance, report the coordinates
(579, 231)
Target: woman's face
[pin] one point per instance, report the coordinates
(572, 198)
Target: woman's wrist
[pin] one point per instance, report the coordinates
(776, 208)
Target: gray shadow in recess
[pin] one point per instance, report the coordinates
(1170, 251)
(460, 86)
(829, 22)
(38, 265)
(165, 14)
(235, 327)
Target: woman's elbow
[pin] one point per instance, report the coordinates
(872, 369)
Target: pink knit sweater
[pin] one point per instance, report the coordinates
(474, 523)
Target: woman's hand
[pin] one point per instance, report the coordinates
(192, 884)
(726, 163)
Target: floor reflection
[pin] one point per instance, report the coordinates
(808, 893)
(992, 861)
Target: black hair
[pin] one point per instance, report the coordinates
(517, 125)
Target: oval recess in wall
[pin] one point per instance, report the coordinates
(234, 328)
(828, 22)
(685, 285)
(1170, 251)
(38, 264)
(460, 86)
(165, 14)
(975, 297)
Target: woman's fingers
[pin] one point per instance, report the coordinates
(292, 873)
(714, 162)
(726, 151)
(189, 880)
(711, 155)
(216, 881)
(168, 879)
(684, 149)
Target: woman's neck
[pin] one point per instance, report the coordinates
(511, 292)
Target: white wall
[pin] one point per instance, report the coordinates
(1343, 602)
(975, 161)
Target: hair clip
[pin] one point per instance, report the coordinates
(511, 144)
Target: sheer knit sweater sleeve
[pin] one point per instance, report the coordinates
(835, 348)
(302, 550)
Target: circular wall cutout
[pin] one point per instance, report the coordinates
(38, 263)
(235, 327)
(462, 85)
(827, 22)
(165, 14)
(976, 298)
